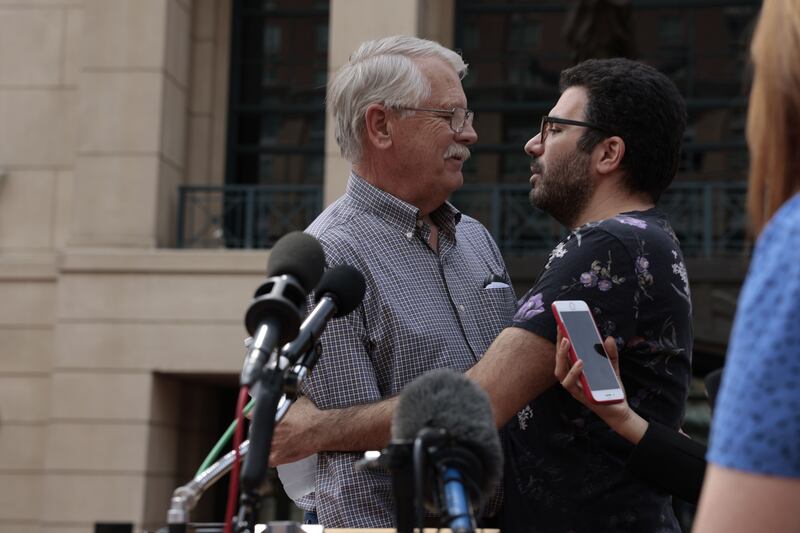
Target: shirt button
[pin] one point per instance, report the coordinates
(410, 235)
(461, 307)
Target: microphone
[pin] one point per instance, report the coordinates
(450, 420)
(273, 318)
(339, 292)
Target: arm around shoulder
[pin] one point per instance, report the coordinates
(516, 368)
(306, 430)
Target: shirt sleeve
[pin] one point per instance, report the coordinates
(669, 460)
(344, 374)
(594, 267)
(756, 425)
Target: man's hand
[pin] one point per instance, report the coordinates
(294, 436)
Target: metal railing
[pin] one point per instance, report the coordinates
(243, 216)
(708, 217)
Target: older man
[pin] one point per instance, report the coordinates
(402, 121)
(600, 161)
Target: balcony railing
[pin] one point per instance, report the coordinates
(243, 216)
(708, 217)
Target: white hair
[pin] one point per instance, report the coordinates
(382, 71)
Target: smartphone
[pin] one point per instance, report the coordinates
(600, 383)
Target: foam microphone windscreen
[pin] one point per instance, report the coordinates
(448, 400)
(300, 255)
(345, 284)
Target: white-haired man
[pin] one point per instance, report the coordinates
(402, 121)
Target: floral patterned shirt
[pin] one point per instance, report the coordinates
(565, 466)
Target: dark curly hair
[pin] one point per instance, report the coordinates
(641, 105)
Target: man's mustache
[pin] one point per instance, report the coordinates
(459, 151)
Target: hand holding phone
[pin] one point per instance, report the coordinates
(619, 416)
(599, 382)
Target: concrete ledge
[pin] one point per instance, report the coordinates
(164, 261)
(22, 266)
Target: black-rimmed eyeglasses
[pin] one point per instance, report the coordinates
(460, 117)
(544, 129)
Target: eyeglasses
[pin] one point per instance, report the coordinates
(543, 129)
(460, 117)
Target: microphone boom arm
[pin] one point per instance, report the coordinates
(185, 498)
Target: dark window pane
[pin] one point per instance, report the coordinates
(516, 50)
(277, 120)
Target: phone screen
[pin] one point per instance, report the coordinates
(588, 346)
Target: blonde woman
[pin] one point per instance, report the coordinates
(753, 479)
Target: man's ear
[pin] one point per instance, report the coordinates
(608, 155)
(377, 126)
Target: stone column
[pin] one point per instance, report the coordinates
(132, 124)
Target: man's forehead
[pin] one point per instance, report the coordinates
(571, 104)
(445, 84)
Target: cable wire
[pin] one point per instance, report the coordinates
(233, 487)
(223, 441)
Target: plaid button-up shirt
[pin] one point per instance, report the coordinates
(421, 311)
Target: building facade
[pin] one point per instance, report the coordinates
(120, 340)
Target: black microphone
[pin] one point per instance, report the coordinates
(273, 318)
(450, 418)
(339, 292)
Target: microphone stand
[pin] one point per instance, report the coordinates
(185, 498)
(254, 466)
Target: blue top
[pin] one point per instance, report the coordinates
(756, 425)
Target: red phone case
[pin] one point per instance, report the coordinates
(574, 358)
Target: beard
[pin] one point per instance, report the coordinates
(563, 189)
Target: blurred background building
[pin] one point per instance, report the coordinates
(152, 150)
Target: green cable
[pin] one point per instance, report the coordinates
(223, 441)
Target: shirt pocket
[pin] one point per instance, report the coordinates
(496, 309)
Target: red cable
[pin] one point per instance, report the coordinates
(238, 437)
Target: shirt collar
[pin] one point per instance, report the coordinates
(367, 197)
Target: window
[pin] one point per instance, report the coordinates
(277, 117)
(519, 49)
(276, 122)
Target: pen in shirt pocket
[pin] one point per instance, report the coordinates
(495, 281)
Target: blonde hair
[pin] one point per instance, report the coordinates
(382, 71)
(773, 118)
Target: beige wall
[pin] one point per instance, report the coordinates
(107, 106)
(124, 318)
(208, 92)
(133, 85)
(38, 106)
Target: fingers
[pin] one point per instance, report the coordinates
(572, 379)
(562, 359)
(572, 382)
(611, 349)
(567, 373)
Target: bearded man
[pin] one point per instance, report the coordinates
(602, 158)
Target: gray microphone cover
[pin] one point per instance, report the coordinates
(448, 400)
(300, 255)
